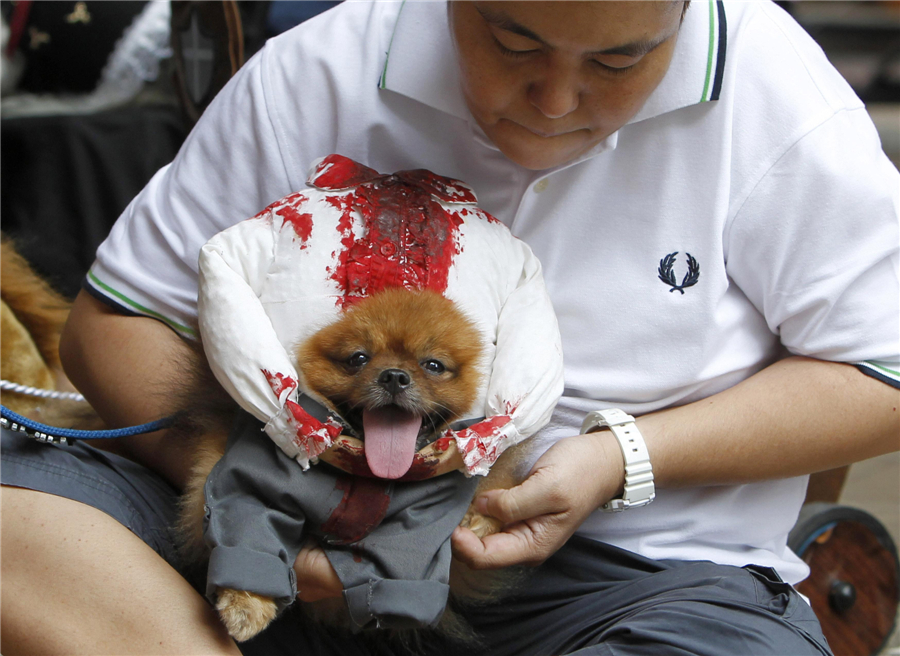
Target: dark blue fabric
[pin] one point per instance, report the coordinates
(285, 14)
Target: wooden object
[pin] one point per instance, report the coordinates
(854, 584)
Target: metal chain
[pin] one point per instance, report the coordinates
(9, 386)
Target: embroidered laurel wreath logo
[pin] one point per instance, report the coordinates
(668, 277)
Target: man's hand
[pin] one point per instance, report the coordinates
(571, 480)
(316, 578)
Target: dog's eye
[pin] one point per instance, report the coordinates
(357, 360)
(434, 366)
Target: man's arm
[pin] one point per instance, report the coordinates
(796, 417)
(127, 368)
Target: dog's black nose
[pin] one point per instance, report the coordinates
(394, 380)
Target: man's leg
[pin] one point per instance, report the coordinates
(594, 599)
(75, 581)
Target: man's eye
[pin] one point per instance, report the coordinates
(613, 70)
(616, 64)
(434, 366)
(357, 360)
(515, 54)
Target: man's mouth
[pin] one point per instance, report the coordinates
(546, 134)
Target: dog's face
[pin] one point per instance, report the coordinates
(398, 366)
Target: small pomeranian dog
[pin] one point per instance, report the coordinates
(363, 325)
(399, 367)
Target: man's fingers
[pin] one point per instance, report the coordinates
(536, 495)
(516, 547)
(316, 578)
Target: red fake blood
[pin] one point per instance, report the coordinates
(443, 443)
(409, 240)
(339, 172)
(301, 223)
(311, 434)
(420, 469)
(286, 208)
(477, 438)
(362, 508)
(279, 382)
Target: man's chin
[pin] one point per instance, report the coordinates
(535, 152)
(540, 157)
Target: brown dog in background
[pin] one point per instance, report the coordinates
(32, 317)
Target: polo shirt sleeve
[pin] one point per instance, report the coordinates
(229, 168)
(815, 245)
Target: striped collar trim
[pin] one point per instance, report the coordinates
(697, 71)
(718, 42)
(420, 60)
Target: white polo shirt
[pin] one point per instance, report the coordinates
(745, 210)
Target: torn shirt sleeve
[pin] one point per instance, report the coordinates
(241, 344)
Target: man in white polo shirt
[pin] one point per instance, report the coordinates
(706, 196)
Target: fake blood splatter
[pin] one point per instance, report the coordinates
(408, 239)
(300, 222)
(286, 208)
(279, 382)
(480, 442)
(339, 172)
(312, 435)
(362, 508)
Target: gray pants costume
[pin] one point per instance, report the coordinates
(389, 542)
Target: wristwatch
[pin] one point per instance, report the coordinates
(639, 488)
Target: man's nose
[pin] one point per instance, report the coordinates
(556, 94)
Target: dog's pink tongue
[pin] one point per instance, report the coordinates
(390, 440)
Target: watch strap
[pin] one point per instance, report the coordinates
(639, 487)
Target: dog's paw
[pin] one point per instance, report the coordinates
(480, 525)
(244, 613)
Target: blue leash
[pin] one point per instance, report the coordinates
(56, 435)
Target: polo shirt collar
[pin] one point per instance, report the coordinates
(421, 60)
(698, 63)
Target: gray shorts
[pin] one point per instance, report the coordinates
(589, 598)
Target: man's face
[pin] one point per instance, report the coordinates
(547, 81)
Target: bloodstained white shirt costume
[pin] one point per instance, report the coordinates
(270, 282)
